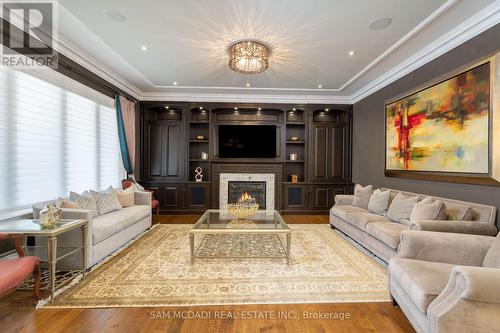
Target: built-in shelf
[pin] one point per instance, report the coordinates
(198, 141)
(296, 161)
(296, 142)
(297, 123)
(199, 122)
(198, 160)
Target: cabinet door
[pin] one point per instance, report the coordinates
(324, 196)
(165, 142)
(327, 147)
(172, 196)
(296, 197)
(197, 196)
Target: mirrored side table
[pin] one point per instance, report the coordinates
(50, 253)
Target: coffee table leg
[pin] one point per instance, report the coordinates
(52, 260)
(288, 243)
(84, 250)
(191, 246)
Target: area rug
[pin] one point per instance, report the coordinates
(155, 270)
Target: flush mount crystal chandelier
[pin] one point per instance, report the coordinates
(248, 57)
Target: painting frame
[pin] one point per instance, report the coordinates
(492, 177)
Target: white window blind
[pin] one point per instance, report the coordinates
(56, 135)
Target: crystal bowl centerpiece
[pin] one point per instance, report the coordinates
(244, 208)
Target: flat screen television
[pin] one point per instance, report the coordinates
(247, 141)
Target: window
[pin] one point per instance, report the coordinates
(56, 136)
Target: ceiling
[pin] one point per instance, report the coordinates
(186, 42)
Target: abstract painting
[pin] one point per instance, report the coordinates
(442, 128)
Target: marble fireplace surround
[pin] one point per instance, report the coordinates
(225, 178)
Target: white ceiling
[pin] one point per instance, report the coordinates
(187, 42)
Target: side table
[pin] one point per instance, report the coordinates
(28, 227)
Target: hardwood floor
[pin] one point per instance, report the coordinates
(17, 312)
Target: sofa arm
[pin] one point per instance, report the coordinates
(459, 227)
(471, 301)
(142, 198)
(344, 199)
(457, 249)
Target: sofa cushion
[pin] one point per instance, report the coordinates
(361, 219)
(84, 201)
(362, 196)
(387, 232)
(106, 225)
(107, 201)
(341, 210)
(423, 281)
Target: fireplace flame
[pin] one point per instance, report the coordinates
(245, 196)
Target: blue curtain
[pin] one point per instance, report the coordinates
(121, 135)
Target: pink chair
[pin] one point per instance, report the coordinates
(13, 272)
(155, 204)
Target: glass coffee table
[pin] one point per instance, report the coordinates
(264, 235)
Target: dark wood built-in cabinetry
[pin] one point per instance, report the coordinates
(176, 138)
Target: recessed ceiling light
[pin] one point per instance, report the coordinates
(351, 53)
(294, 109)
(144, 48)
(320, 86)
(248, 84)
(114, 15)
(174, 83)
(201, 107)
(166, 107)
(260, 109)
(380, 24)
(235, 109)
(327, 109)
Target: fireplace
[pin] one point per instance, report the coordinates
(258, 186)
(247, 191)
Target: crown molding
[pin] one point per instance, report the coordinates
(246, 98)
(483, 20)
(480, 22)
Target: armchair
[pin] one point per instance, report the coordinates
(447, 282)
(13, 272)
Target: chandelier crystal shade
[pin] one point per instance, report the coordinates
(249, 57)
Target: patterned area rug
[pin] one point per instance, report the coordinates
(155, 270)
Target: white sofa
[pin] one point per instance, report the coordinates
(382, 236)
(105, 233)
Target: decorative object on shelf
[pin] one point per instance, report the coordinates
(443, 130)
(294, 178)
(294, 138)
(202, 115)
(204, 156)
(50, 218)
(249, 57)
(293, 156)
(201, 137)
(199, 175)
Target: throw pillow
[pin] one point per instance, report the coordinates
(362, 196)
(66, 203)
(401, 208)
(84, 201)
(435, 210)
(106, 201)
(126, 197)
(379, 201)
(461, 213)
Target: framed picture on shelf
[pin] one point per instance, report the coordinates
(444, 130)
